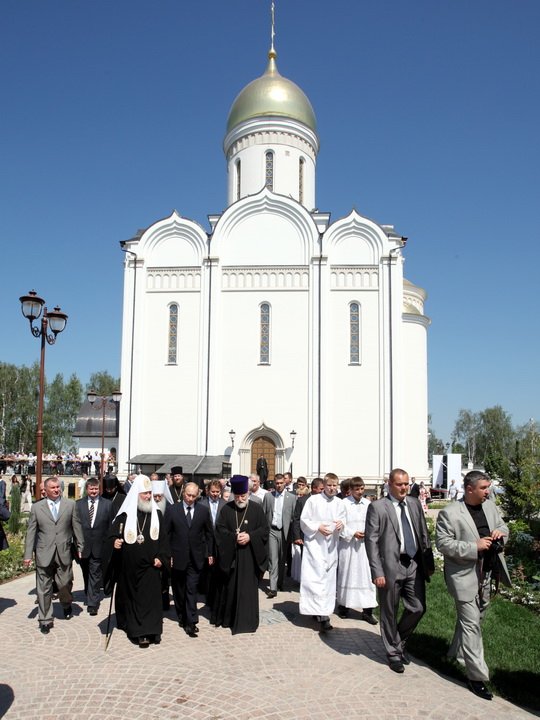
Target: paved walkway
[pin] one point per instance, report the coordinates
(285, 671)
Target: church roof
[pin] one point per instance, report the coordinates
(271, 95)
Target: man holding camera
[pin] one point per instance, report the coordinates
(471, 535)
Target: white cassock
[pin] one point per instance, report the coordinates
(320, 556)
(355, 587)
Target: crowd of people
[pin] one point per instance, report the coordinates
(346, 551)
(60, 463)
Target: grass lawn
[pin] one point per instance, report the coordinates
(511, 644)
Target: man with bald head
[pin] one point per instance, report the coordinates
(398, 548)
(189, 526)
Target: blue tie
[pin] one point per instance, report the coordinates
(408, 537)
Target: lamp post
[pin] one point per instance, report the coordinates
(104, 400)
(293, 438)
(33, 307)
(232, 435)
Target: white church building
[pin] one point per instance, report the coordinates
(273, 331)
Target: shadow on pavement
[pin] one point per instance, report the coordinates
(7, 696)
(5, 603)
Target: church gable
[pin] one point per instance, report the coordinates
(355, 240)
(173, 242)
(265, 229)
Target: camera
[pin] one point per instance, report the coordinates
(497, 546)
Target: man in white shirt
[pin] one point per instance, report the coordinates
(355, 588)
(322, 521)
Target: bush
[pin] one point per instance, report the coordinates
(11, 560)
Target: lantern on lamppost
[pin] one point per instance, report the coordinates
(53, 322)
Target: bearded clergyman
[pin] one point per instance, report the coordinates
(162, 496)
(242, 540)
(139, 548)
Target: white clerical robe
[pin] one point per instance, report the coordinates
(355, 587)
(320, 556)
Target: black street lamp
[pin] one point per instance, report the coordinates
(104, 400)
(33, 307)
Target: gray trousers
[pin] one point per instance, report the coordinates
(409, 587)
(277, 547)
(467, 646)
(93, 580)
(63, 574)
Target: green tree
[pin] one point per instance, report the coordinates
(19, 389)
(103, 383)
(465, 433)
(435, 444)
(63, 403)
(496, 437)
(521, 497)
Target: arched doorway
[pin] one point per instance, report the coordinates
(263, 445)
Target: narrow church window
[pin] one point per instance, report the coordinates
(301, 180)
(354, 325)
(269, 170)
(173, 334)
(264, 350)
(238, 179)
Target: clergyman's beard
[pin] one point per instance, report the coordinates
(162, 504)
(144, 506)
(241, 504)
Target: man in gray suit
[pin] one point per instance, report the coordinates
(278, 505)
(470, 535)
(52, 525)
(397, 544)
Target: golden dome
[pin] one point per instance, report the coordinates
(271, 95)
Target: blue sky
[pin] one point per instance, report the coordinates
(114, 113)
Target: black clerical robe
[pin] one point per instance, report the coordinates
(241, 566)
(138, 602)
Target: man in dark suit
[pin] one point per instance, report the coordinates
(95, 514)
(414, 488)
(262, 471)
(398, 545)
(278, 505)
(209, 580)
(189, 526)
(52, 526)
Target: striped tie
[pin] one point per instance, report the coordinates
(91, 512)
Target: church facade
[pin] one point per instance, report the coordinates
(275, 331)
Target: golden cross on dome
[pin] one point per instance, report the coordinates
(273, 28)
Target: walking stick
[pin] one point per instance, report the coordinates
(108, 635)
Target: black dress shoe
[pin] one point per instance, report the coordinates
(144, 642)
(368, 617)
(68, 613)
(45, 629)
(92, 611)
(190, 630)
(271, 594)
(157, 639)
(325, 626)
(342, 611)
(396, 666)
(478, 688)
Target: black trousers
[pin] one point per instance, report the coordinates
(184, 586)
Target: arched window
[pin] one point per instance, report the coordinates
(264, 345)
(354, 330)
(238, 179)
(173, 334)
(269, 170)
(301, 163)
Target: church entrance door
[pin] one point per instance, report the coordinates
(264, 446)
